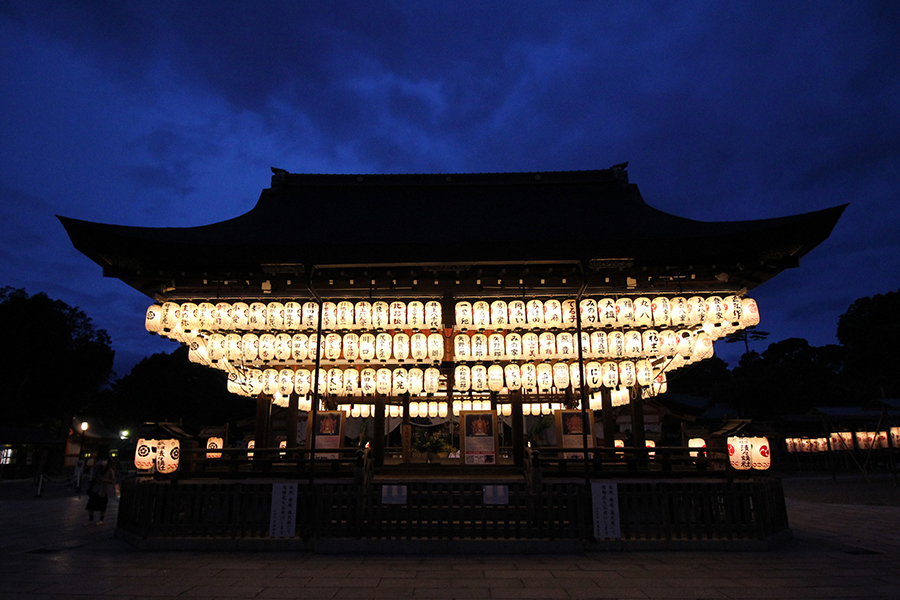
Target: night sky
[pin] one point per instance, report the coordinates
(171, 113)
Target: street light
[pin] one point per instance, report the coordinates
(80, 468)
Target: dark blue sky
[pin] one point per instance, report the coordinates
(170, 114)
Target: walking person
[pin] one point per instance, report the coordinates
(103, 479)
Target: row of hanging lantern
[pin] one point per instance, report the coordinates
(170, 317)
(745, 453)
(661, 311)
(442, 410)
(729, 312)
(546, 377)
(845, 440)
(162, 455)
(251, 348)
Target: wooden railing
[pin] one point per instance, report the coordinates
(648, 510)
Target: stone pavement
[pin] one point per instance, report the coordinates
(838, 551)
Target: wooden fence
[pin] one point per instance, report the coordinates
(713, 509)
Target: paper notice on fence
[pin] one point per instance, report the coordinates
(605, 499)
(283, 516)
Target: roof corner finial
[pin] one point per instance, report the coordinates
(620, 173)
(278, 177)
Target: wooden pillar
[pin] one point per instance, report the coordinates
(293, 419)
(261, 435)
(637, 422)
(518, 426)
(406, 431)
(378, 433)
(609, 420)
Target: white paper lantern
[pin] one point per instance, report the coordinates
(599, 343)
(552, 313)
(435, 347)
(703, 347)
(367, 381)
(350, 343)
(367, 347)
(739, 453)
(606, 312)
(351, 382)
(678, 311)
(381, 315)
(153, 318)
(561, 375)
(401, 346)
(233, 347)
(250, 347)
(668, 342)
(589, 315)
(240, 316)
(547, 345)
(512, 376)
(222, 316)
(565, 345)
(734, 310)
(283, 347)
(627, 373)
(145, 454)
(269, 381)
(569, 313)
(534, 311)
(661, 311)
(266, 347)
(433, 318)
(464, 314)
(418, 346)
(585, 344)
(299, 346)
(329, 315)
(749, 313)
(634, 344)
(206, 316)
(416, 381)
(644, 372)
(397, 314)
(575, 375)
(415, 315)
(413, 410)
(399, 381)
(495, 378)
(292, 315)
(529, 377)
(383, 345)
(517, 313)
(685, 343)
(513, 342)
(609, 371)
(479, 378)
(462, 347)
(544, 377)
(302, 382)
(215, 347)
(310, 315)
(344, 315)
(715, 310)
(481, 314)
(696, 443)
(275, 315)
(432, 380)
(651, 343)
(643, 312)
(168, 453)
(696, 311)
(499, 314)
(258, 317)
(170, 317)
(314, 348)
(285, 382)
(496, 346)
(760, 454)
(190, 319)
(624, 311)
(383, 381)
(363, 314)
(462, 378)
(593, 378)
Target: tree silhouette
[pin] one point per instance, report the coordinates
(869, 331)
(53, 359)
